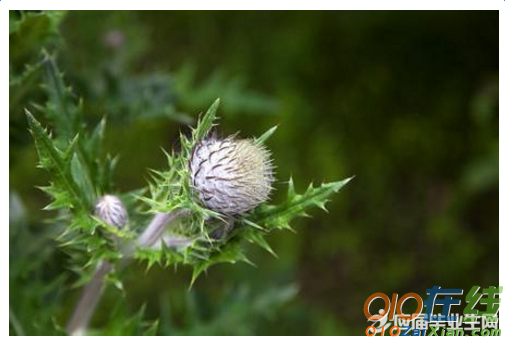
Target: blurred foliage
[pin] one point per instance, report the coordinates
(406, 101)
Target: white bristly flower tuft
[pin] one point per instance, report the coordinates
(112, 211)
(231, 176)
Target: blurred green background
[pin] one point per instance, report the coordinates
(405, 101)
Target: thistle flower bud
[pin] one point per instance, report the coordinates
(112, 211)
(231, 176)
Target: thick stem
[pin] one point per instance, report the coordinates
(157, 226)
(88, 301)
(92, 291)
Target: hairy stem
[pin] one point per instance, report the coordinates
(92, 291)
(88, 301)
(157, 226)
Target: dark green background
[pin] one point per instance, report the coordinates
(405, 101)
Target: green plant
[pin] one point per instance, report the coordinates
(198, 236)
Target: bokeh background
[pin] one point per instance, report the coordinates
(405, 101)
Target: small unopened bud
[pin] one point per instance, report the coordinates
(231, 176)
(112, 211)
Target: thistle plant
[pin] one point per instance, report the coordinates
(212, 198)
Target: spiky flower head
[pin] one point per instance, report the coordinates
(112, 211)
(231, 176)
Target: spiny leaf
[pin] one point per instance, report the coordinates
(297, 204)
(96, 138)
(229, 253)
(61, 198)
(54, 161)
(82, 178)
(206, 123)
(258, 239)
(29, 71)
(61, 108)
(266, 135)
(48, 20)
